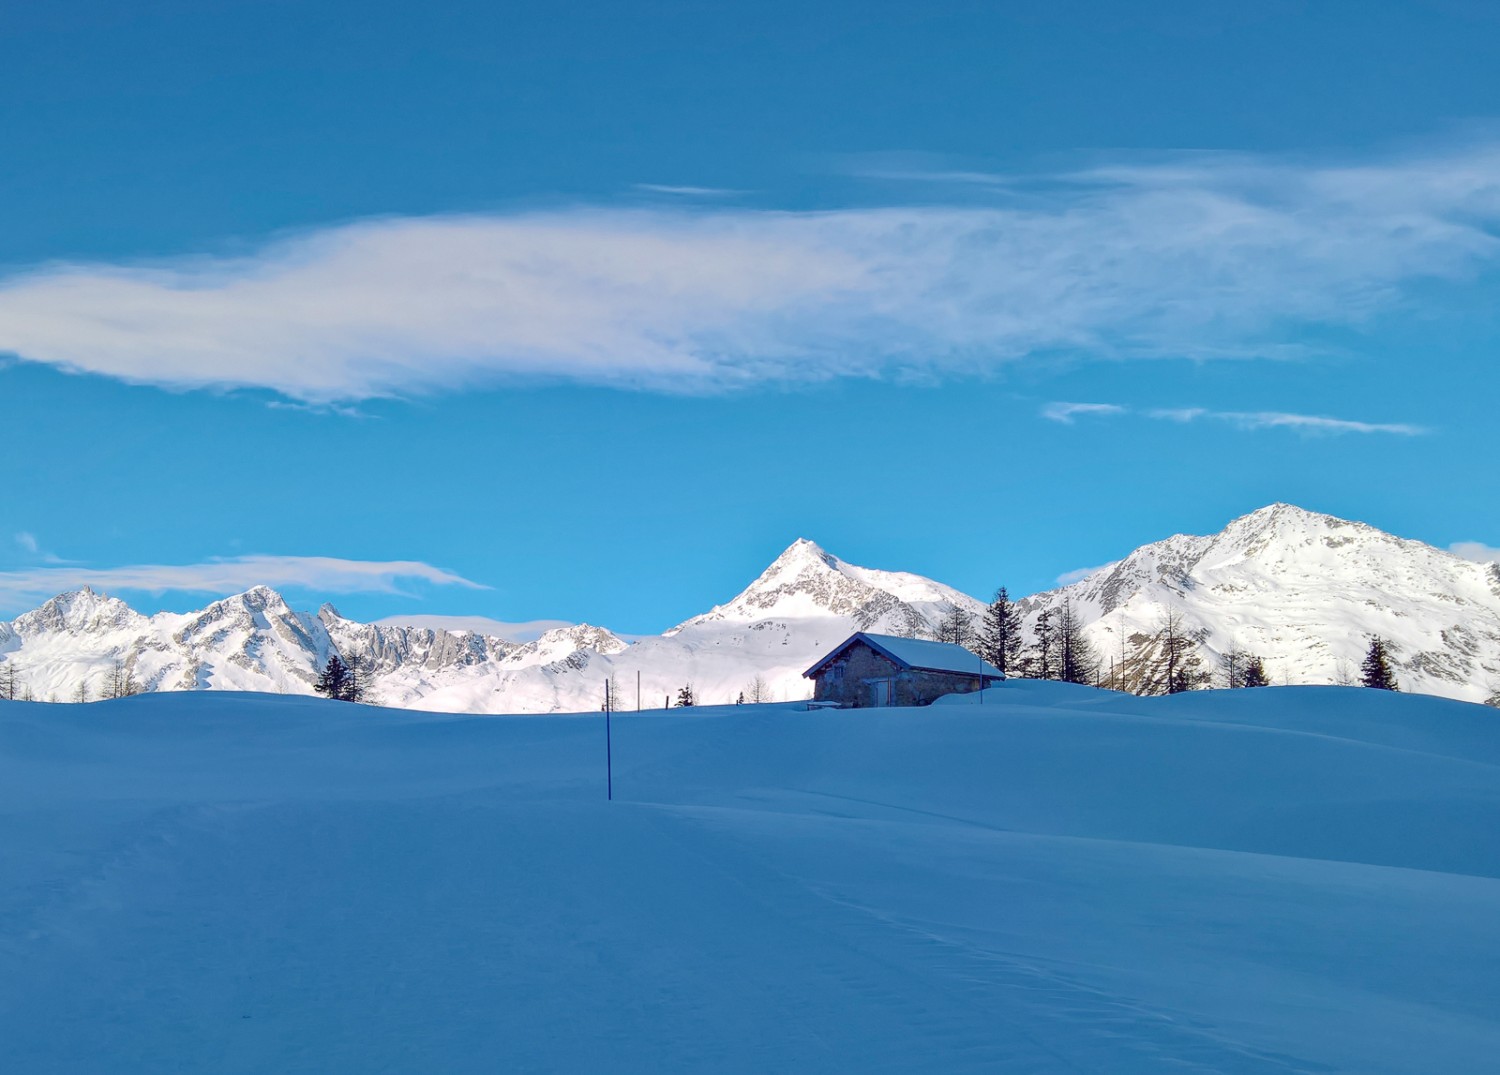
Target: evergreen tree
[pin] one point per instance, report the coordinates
(1254, 674)
(358, 683)
(1376, 670)
(335, 680)
(1000, 634)
(1075, 656)
(1041, 660)
(686, 697)
(8, 681)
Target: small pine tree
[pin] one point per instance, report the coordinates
(686, 697)
(1075, 655)
(1254, 674)
(335, 679)
(1376, 670)
(1041, 659)
(1000, 633)
(358, 686)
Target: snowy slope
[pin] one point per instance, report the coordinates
(1056, 880)
(1305, 592)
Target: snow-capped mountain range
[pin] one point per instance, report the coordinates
(1305, 592)
(1302, 590)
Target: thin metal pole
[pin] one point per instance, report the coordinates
(609, 748)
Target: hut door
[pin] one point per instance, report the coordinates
(880, 692)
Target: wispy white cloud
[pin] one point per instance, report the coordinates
(1302, 423)
(1078, 574)
(1178, 414)
(688, 192)
(938, 176)
(1067, 412)
(325, 574)
(1248, 420)
(1196, 256)
(1474, 550)
(1317, 423)
(28, 543)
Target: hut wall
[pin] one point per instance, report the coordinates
(843, 680)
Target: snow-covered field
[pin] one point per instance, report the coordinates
(1300, 879)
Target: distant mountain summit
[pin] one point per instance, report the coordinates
(808, 581)
(1302, 590)
(1306, 592)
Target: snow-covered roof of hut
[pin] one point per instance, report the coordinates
(916, 653)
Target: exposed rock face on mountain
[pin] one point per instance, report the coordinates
(1303, 591)
(806, 601)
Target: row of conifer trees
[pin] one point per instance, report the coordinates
(1167, 659)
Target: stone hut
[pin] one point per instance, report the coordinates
(882, 670)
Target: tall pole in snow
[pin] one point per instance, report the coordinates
(609, 750)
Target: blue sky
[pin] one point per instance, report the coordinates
(587, 312)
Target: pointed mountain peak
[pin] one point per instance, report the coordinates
(800, 564)
(262, 597)
(803, 551)
(83, 609)
(1278, 524)
(1277, 514)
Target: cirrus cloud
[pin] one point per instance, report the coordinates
(1194, 256)
(1311, 424)
(328, 574)
(1066, 412)
(1302, 423)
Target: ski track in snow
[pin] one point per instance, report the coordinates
(1052, 879)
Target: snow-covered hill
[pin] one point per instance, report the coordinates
(1303, 591)
(1056, 880)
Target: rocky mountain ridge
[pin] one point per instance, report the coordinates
(1304, 591)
